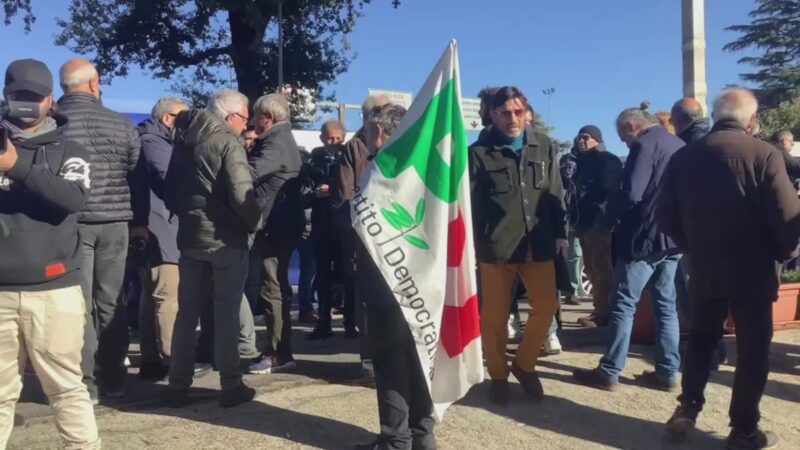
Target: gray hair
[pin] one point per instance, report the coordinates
(273, 105)
(737, 104)
(73, 77)
(226, 102)
(372, 102)
(164, 106)
(784, 134)
(387, 117)
(637, 116)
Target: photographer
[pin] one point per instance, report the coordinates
(325, 238)
(44, 181)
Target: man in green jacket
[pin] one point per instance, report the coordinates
(518, 221)
(210, 188)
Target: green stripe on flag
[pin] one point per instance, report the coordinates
(417, 147)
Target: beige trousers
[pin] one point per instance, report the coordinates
(157, 311)
(47, 328)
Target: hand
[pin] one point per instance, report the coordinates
(562, 247)
(139, 233)
(323, 191)
(8, 159)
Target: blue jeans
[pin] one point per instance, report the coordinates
(630, 280)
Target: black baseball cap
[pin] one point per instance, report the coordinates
(28, 75)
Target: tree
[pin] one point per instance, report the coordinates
(784, 117)
(11, 8)
(775, 30)
(195, 42)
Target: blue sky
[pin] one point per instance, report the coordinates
(600, 56)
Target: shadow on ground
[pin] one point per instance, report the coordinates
(584, 422)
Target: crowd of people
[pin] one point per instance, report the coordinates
(205, 208)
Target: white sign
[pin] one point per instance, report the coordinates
(396, 97)
(471, 109)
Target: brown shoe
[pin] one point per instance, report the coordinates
(529, 381)
(649, 379)
(592, 321)
(593, 378)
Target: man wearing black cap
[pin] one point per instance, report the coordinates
(44, 182)
(599, 175)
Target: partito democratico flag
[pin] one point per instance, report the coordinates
(420, 235)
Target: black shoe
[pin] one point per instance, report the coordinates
(499, 392)
(236, 396)
(758, 440)
(593, 321)
(380, 443)
(594, 378)
(307, 317)
(177, 398)
(529, 381)
(283, 365)
(719, 357)
(651, 380)
(571, 300)
(682, 422)
(202, 369)
(153, 371)
(320, 332)
(350, 333)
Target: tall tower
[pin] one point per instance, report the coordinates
(694, 51)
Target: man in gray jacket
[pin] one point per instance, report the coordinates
(210, 188)
(114, 200)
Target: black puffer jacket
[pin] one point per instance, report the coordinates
(113, 145)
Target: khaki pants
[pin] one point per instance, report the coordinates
(596, 245)
(157, 311)
(539, 279)
(46, 327)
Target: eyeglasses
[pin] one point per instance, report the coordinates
(584, 137)
(245, 118)
(507, 113)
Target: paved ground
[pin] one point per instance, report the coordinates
(325, 405)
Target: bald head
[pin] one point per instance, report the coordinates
(737, 104)
(685, 112)
(79, 75)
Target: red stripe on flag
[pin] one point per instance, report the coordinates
(456, 240)
(460, 326)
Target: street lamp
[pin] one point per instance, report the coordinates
(549, 93)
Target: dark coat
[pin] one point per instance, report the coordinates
(633, 207)
(568, 167)
(209, 185)
(345, 177)
(40, 198)
(276, 162)
(728, 202)
(517, 199)
(113, 145)
(156, 153)
(598, 178)
(318, 170)
(792, 165)
(694, 132)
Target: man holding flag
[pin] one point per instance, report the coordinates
(519, 222)
(412, 213)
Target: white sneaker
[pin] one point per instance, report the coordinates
(512, 330)
(552, 346)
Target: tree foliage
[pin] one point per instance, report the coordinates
(775, 32)
(784, 117)
(194, 43)
(13, 8)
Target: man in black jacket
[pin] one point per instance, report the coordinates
(598, 178)
(44, 182)
(275, 161)
(113, 145)
(689, 120)
(325, 236)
